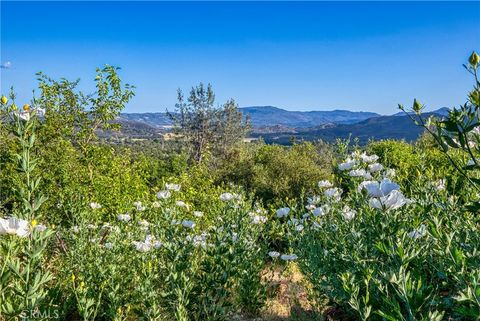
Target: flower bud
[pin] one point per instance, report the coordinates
(4, 100)
(26, 107)
(417, 107)
(474, 60)
(475, 97)
(14, 107)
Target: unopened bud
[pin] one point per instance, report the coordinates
(474, 60)
(4, 100)
(417, 107)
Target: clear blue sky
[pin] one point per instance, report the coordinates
(295, 55)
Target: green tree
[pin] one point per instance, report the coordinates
(73, 115)
(206, 127)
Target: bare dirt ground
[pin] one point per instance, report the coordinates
(288, 298)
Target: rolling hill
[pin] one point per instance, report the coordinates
(381, 127)
(268, 116)
(276, 125)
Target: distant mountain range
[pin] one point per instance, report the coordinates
(377, 128)
(276, 125)
(269, 115)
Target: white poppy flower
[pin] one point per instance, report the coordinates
(108, 245)
(273, 254)
(124, 217)
(181, 204)
(157, 244)
(369, 159)
(393, 200)
(142, 246)
(95, 206)
(347, 165)
(188, 224)
(40, 111)
(13, 225)
(199, 240)
(321, 211)
(258, 219)
(198, 214)
(149, 239)
(471, 162)
(334, 193)
(380, 189)
(173, 187)
(375, 167)
(143, 223)
(318, 212)
(348, 214)
(314, 200)
(226, 197)
(293, 221)
(358, 172)
(367, 175)
(440, 185)
(25, 115)
(288, 257)
(139, 206)
(155, 204)
(418, 233)
(299, 228)
(316, 225)
(282, 212)
(390, 172)
(75, 229)
(40, 228)
(163, 195)
(362, 185)
(310, 207)
(325, 184)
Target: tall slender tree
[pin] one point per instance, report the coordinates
(205, 127)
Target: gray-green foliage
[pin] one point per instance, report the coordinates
(460, 131)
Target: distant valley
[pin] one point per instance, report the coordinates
(276, 125)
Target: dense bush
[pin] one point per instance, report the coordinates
(98, 230)
(381, 255)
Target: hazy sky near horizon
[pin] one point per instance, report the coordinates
(366, 56)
